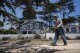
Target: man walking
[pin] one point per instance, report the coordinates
(59, 31)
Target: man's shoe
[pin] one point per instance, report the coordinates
(53, 44)
(65, 45)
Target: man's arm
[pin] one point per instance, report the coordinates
(60, 23)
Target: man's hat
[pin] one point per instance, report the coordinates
(53, 14)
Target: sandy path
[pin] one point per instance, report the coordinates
(70, 46)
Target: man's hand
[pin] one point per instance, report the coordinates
(54, 27)
(57, 27)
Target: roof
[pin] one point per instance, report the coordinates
(33, 21)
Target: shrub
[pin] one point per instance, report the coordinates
(28, 37)
(21, 38)
(8, 31)
(1, 32)
(5, 38)
(21, 42)
(44, 39)
(29, 40)
(37, 36)
(68, 38)
(1, 23)
(77, 37)
(4, 42)
(50, 38)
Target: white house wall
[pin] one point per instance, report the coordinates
(69, 27)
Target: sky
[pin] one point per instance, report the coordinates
(19, 11)
(76, 4)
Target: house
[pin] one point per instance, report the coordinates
(1, 28)
(33, 26)
(72, 28)
(36, 26)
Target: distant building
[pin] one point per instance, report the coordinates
(72, 28)
(36, 26)
(1, 28)
(33, 26)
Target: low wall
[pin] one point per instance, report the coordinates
(70, 35)
(48, 35)
(16, 35)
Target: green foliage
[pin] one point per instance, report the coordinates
(8, 31)
(5, 38)
(21, 42)
(29, 13)
(68, 20)
(37, 36)
(53, 28)
(21, 38)
(3, 10)
(66, 7)
(50, 7)
(50, 38)
(1, 23)
(29, 40)
(1, 32)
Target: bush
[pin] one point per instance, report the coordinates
(68, 38)
(20, 38)
(37, 36)
(1, 32)
(50, 38)
(4, 42)
(77, 37)
(21, 42)
(5, 38)
(8, 31)
(1, 23)
(29, 40)
(45, 40)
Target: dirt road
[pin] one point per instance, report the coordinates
(39, 46)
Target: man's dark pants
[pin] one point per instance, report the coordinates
(59, 31)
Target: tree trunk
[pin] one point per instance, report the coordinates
(50, 21)
(63, 15)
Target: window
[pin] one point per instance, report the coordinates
(24, 32)
(29, 26)
(36, 25)
(79, 23)
(21, 28)
(29, 32)
(73, 29)
(67, 29)
(24, 26)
